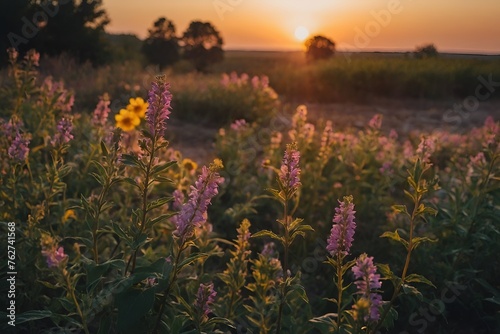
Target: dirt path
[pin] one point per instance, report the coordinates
(197, 141)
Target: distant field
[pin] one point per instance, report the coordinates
(356, 78)
(351, 77)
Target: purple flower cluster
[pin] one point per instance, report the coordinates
(342, 233)
(101, 112)
(376, 122)
(159, 99)
(19, 149)
(239, 124)
(194, 211)
(205, 297)
(63, 135)
(368, 280)
(290, 171)
(54, 257)
(426, 147)
(58, 97)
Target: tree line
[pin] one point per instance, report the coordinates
(77, 28)
(201, 44)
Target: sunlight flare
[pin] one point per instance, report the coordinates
(301, 33)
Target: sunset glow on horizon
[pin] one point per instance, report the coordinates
(390, 25)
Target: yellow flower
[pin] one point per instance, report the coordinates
(127, 120)
(217, 164)
(189, 165)
(69, 214)
(138, 106)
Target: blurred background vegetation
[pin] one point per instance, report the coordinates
(75, 47)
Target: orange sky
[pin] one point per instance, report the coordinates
(452, 25)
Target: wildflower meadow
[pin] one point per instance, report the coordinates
(294, 226)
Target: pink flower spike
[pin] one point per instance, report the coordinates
(368, 280)
(19, 149)
(342, 233)
(194, 211)
(205, 298)
(159, 107)
(54, 257)
(289, 174)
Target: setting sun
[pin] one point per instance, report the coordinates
(301, 33)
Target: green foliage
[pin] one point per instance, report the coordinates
(220, 102)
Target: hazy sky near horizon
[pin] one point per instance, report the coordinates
(452, 25)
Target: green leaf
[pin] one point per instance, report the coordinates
(160, 219)
(95, 272)
(161, 168)
(415, 278)
(131, 181)
(100, 168)
(192, 258)
(140, 241)
(395, 236)
(121, 233)
(32, 315)
(410, 195)
(219, 320)
(278, 194)
(494, 299)
(411, 290)
(295, 223)
(132, 305)
(418, 240)
(392, 315)
(104, 149)
(266, 233)
(400, 208)
(327, 319)
(162, 179)
(157, 203)
(49, 285)
(131, 160)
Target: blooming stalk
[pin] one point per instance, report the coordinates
(158, 106)
(194, 211)
(289, 174)
(54, 257)
(342, 233)
(101, 112)
(19, 149)
(205, 298)
(339, 245)
(367, 280)
(63, 135)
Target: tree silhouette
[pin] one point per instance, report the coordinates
(426, 51)
(11, 25)
(162, 46)
(202, 45)
(319, 47)
(75, 27)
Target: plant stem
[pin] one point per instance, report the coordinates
(340, 283)
(145, 197)
(285, 267)
(405, 268)
(71, 291)
(163, 300)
